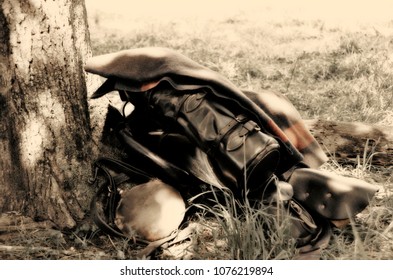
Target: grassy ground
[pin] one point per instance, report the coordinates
(329, 70)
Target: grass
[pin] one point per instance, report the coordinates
(327, 70)
(328, 73)
(241, 231)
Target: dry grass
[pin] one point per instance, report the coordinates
(328, 72)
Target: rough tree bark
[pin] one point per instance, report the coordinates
(351, 142)
(45, 133)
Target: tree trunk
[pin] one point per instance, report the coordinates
(45, 133)
(354, 143)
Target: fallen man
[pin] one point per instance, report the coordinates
(192, 126)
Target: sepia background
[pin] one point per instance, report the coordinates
(332, 59)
